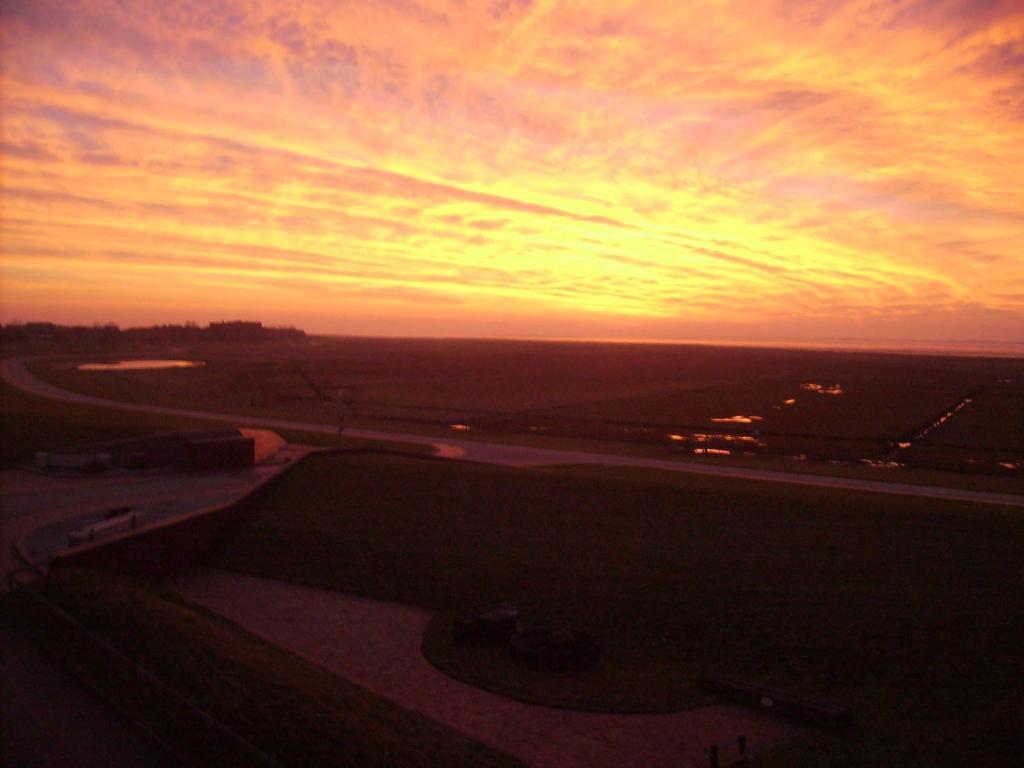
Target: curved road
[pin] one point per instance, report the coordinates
(15, 373)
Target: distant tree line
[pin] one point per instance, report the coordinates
(233, 330)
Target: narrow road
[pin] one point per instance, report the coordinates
(15, 373)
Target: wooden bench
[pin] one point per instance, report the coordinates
(110, 525)
(816, 711)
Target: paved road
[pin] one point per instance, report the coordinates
(15, 373)
(40, 509)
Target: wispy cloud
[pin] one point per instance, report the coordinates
(664, 165)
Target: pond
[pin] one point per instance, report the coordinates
(139, 365)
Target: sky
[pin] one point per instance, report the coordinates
(518, 168)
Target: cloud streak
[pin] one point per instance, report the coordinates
(666, 166)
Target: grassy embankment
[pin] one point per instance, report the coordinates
(29, 423)
(908, 609)
(289, 709)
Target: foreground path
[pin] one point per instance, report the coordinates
(15, 373)
(377, 646)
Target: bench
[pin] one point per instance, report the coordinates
(726, 754)
(816, 711)
(119, 522)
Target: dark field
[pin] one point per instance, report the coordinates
(994, 420)
(907, 609)
(31, 424)
(864, 403)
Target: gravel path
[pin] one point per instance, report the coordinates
(377, 645)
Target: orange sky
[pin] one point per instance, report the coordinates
(665, 170)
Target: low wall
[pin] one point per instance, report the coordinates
(157, 550)
(167, 546)
(174, 544)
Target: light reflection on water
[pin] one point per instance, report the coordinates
(944, 417)
(835, 389)
(140, 365)
(882, 463)
(703, 439)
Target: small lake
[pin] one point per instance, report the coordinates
(139, 365)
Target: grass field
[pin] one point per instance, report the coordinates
(29, 423)
(289, 709)
(907, 609)
(612, 392)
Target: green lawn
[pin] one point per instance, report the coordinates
(288, 708)
(908, 609)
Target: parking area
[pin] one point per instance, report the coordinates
(39, 511)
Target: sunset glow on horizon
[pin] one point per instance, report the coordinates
(657, 170)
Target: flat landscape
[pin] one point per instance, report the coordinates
(830, 406)
(907, 609)
(695, 330)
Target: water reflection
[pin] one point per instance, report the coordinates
(704, 441)
(882, 463)
(944, 417)
(140, 365)
(704, 438)
(738, 419)
(835, 389)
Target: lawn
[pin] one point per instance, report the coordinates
(29, 423)
(628, 393)
(287, 708)
(908, 609)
